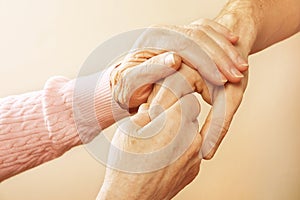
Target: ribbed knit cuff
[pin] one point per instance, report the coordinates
(77, 111)
(107, 110)
(93, 106)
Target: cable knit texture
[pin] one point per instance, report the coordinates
(24, 138)
(39, 126)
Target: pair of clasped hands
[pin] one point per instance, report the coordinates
(157, 85)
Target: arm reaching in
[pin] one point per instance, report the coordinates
(40, 126)
(258, 24)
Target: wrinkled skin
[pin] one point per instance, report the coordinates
(166, 182)
(181, 121)
(204, 45)
(227, 98)
(143, 64)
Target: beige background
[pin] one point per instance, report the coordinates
(259, 159)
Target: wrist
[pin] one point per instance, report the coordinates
(243, 19)
(92, 104)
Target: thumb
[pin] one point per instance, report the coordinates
(157, 67)
(218, 121)
(142, 118)
(136, 85)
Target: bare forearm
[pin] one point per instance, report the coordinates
(261, 23)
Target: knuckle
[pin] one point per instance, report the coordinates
(222, 58)
(120, 96)
(203, 21)
(199, 34)
(225, 43)
(205, 27)
(189, 31)
(177, 109)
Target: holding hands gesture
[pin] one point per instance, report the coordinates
(133, 80)
(162, 144)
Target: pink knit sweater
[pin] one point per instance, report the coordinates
(39, 126)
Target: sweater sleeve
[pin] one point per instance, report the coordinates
(39, 126)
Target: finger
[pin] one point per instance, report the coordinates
(183, 113)
(131, 60)
(173, 38)
(222, 64)
(135, 87)
(227, 47)
(219, 118)
(141, 55)
(131, 126)
(141, 118)
(170, 135)
(190, 107)
(218, 28)
(220, 57)
(173, 88)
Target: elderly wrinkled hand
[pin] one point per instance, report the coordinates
(207, 47)
(204, 45)
(154, 157)
(132, 80)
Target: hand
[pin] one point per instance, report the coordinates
(166, 182)
(133, 80)
(218, 43)
(213, 46)
(169, 160)
(224, 100)
(165, 150)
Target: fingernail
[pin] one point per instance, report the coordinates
(170, 59)
(223, 79)
(242, 62)
(220, 76)
(236, 73)
(244, 65)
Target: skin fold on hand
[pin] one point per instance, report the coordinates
(149, 66)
